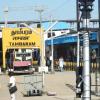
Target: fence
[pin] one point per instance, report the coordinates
(71, 66)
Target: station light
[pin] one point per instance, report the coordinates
(85, 7)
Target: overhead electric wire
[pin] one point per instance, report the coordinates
(27, 8)
(32, 9)
(57, 8)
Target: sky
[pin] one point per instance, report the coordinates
(26, 9)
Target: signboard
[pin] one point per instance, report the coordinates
(20, 38)
(13, 38)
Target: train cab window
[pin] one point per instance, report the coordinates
(49, 35)
(53, 34)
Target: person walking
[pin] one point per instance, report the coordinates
(12, 86)
(61, 63)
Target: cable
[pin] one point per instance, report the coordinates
(57, 8)
(31, 8)
(28, 8)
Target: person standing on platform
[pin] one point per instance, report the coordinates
(61, 64)
(48, 63)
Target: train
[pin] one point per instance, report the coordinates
(23, 60)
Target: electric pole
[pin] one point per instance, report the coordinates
(97, 75)
(6, 15)
(40, 10)
(85, 7)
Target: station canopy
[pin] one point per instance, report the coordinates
(69, 39)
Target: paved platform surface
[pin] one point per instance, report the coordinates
(63, 83)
